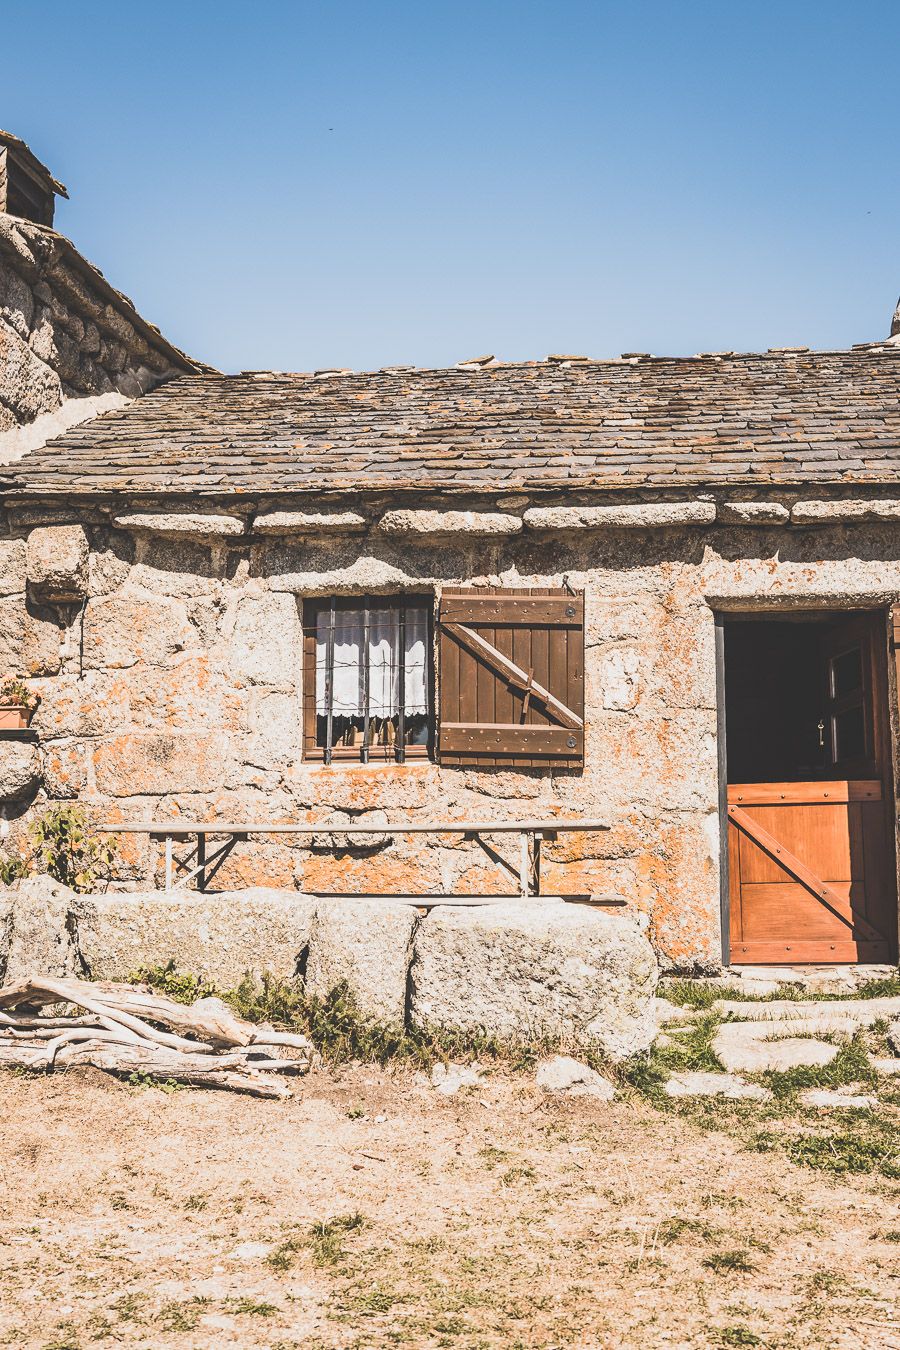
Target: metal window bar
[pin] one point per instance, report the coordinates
(367, 680)
(400, 753)
(329, 685)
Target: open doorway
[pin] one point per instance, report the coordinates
(811, 873)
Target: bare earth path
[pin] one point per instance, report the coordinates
(370, 1211)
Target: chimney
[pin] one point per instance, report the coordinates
(27, 187)
(895, 322)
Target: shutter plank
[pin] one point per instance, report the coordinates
(447, 704)
(521, 655)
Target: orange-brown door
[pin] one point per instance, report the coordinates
(811, 871)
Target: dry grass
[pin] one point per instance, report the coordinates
(372, 1212)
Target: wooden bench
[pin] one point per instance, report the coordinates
(206, 863)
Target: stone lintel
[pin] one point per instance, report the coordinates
(754, 513)
(473, 523)
(642, 515)
(309, 522)
(822, 512)
(175, 525)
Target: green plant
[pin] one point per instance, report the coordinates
(11, 869)
(15, 693)
(250, 1307)
(738, 1336)
(67, 848)
(326, 1238)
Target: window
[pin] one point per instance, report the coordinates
(367, 678)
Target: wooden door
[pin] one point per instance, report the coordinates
(811, 864)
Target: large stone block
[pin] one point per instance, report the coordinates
(221, 937)
(266, 639)
(57, 562)
(533, 969)
(158, 762)
(442, 523)
(368, 944)
(20, 768)
(40, 928)
(131, 626)
(12, 566)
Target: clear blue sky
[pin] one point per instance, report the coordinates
(295, 185)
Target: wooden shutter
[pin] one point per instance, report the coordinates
(511, 678)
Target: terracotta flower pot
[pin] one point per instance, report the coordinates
(13, 717)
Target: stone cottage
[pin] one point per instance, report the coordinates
(658, 593)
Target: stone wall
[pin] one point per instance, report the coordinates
(70, 345)
(519, 971)
(169, 667)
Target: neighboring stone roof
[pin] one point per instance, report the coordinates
(782, 418)
(40, 170)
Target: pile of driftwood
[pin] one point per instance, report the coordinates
(128, 1029)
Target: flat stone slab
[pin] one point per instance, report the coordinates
(832, 1099)
(447, 1079)
(822, 1013)
(697, 1084)
(888, 1066)
(570, 1077)
(666, 1013)
(838, 979)
(742, 1047)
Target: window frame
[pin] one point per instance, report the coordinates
(351, 754)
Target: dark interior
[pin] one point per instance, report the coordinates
(778, 722)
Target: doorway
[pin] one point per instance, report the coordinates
(810, 800)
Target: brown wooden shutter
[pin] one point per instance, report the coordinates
(511, 678)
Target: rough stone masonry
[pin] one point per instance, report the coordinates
(170, 676)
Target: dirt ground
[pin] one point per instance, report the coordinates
(371, 1211)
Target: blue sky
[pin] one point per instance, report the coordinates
(297, 185)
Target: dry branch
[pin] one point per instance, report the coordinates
(204, 1044)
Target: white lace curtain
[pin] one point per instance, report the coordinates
(349, 682)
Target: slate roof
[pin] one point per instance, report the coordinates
(780, 418)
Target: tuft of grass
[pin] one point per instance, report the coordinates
(738, 1261)
(324, 1240)
(700, 994)
(738, 1336)
(514, 1174)
(251, 1308)
(889, 987)
(182, 1316)
(859, 1147)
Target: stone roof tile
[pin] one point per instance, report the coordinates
(676, 422)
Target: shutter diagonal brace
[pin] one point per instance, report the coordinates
(527, 697)
(824, 893)
(513, 673)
